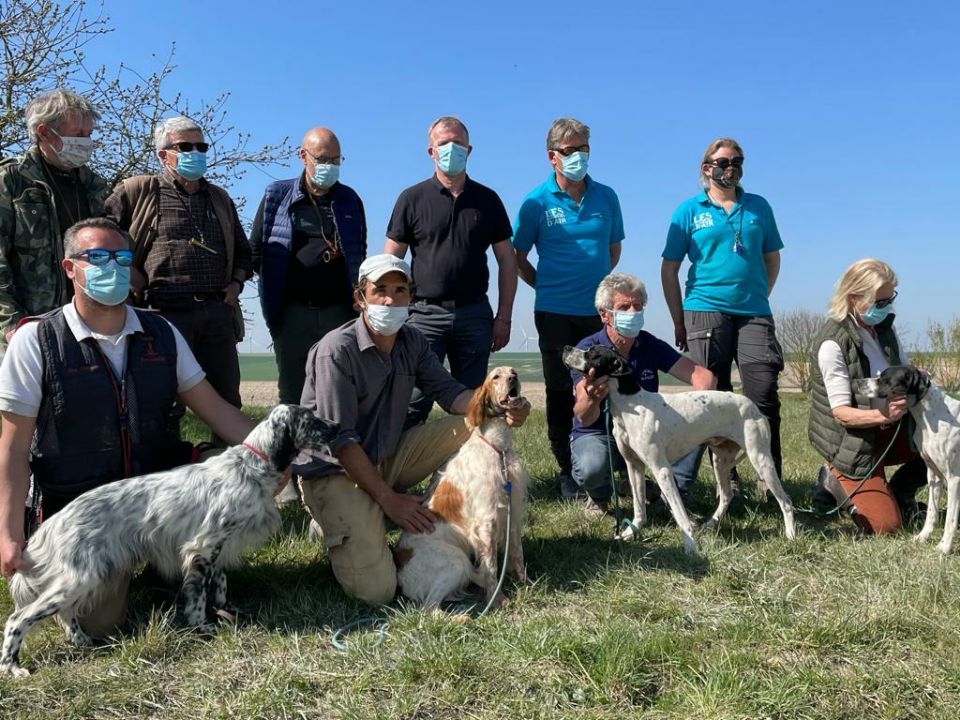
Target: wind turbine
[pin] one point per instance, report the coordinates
(525, 345)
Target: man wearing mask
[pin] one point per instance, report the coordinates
(361, 376)
(576, 226)
(191, 256)
(448, 222)
(41, 195)
(60, 399)
(308, 239)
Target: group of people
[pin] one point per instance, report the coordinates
(118, 307)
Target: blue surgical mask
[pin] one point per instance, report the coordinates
(325, 175)
(387, 319)
(452, 158)
(874, 315)
(575, 166)
(191, 165)
(107, 284)
(628, 324)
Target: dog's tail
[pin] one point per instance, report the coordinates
(21, 590)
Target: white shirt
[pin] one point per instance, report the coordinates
(833, 367)
(21, 374)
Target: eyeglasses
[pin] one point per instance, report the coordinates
(883, 302)
(188, 146)
(567, 150)
(338, 160)
(724, 163)
(100, 257)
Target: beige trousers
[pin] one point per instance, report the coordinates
(353, 524)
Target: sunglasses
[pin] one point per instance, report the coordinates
(724, 163)
(100, 257)
(338, 160)
(567, 150)
(188, 146)
(883, 302)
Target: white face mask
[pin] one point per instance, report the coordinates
(76, 151)
(386, 319)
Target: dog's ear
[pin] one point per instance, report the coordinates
(478, 403)
(923, 383)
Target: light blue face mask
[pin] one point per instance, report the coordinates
(325, 175)
(874, 315)
(107, 284)
(452, 158)
(191, 165)
(575, 166)
(628, 324)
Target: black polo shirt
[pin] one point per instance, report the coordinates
(449, 236)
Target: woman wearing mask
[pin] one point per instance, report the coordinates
(858, 435)
(619, 300)
(731, 239)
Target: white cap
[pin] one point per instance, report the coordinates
(376, 266)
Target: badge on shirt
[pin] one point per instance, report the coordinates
(703, 220)
(555, 216)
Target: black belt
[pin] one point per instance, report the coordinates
(447, 304)
(185, 302)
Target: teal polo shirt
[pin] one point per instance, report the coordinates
(720, 279)
(573, 243)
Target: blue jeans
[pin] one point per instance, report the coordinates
(461, 336)
(590, 463)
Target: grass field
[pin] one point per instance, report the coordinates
(829, 626)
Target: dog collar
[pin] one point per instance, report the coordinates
(507, 485)
(256, 452)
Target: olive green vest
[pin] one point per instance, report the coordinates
(850, 450)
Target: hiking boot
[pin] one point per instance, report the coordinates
(569, 489)
(595, 509)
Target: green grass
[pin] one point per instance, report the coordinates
(829, 626)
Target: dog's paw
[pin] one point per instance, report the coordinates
(922, 536)
(13, 670)
(944, 548)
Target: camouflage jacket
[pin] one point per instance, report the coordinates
(31, 247)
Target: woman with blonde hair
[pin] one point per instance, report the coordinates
(858, 435)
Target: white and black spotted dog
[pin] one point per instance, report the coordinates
(190, 522)
(655, 430)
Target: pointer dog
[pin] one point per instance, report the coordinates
(190, 522)
(655, 430)
(470, 498)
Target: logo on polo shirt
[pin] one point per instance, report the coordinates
(647, 375)
(555, 216)
(703, 220)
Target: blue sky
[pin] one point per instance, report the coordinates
(847, 112)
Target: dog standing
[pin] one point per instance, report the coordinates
(190, 522)
(470, 498)
(655, 430)
(937, 435)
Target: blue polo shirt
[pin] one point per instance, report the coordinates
(720, 279)
(648, 357)
(573, 243)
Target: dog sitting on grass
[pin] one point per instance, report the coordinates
(190, 523)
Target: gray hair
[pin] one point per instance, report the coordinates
(623, 283)
(161, 135)
(49, 108)
(70, 240)
(446, 120)
(563, 128)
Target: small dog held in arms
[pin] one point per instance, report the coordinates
(937, 435)
(190, 522)
(655, 430)
(470, 495)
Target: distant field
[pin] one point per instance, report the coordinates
(261, 367)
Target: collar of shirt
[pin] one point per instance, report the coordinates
(704, 199)
(131, 325)
(439, 185)
(167, 179)
(557, 190)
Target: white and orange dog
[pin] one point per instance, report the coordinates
(470, 497)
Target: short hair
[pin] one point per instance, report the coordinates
(71, 241)
(723, 142)
(161, 134)
(446, 120)
(619, 283)
(864, 278)
(49, 108)
(563, 128)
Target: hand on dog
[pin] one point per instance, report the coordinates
(895, 409)
(11, 558)
(518, 412)
(409, 513)
(596, 388)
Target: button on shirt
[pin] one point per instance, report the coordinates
(351, 382)
(572, 241)
(449, 236)
(648, 357)
(720, 279)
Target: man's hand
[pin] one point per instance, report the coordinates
(680, 336)
(231, 292)
(501, 334)
(517, 414)
(895, 409)
(11, 558)
(408, 512)
(596, 388)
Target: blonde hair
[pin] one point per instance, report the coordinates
(723, 142)
(864, 278)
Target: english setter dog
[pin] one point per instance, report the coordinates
(470, 496)
(937, 435)
(190, 522)
(655, 430)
